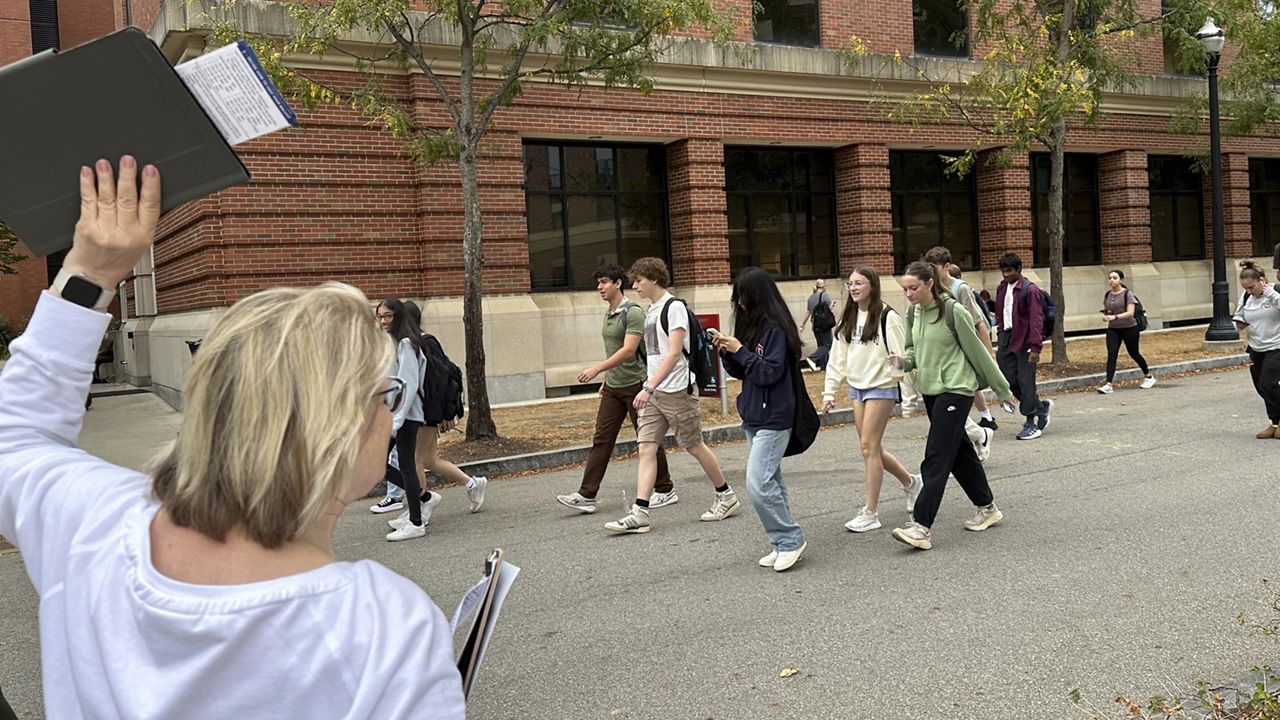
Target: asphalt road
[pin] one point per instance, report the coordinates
(1137, 529)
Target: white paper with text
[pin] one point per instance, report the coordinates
(232, 87)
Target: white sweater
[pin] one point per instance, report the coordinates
(864, 365)
(120, 640)
(1262, 315)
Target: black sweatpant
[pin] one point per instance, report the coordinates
(406, 450)
(1265, 369)
(947, 452)
(6, 712)
(1129, 336)
(1020, 374)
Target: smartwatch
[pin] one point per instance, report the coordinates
(82, 291)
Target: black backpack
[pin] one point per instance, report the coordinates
(823, 318)
(1139, 312)
(805, 422)
(701, 353)
(441, 390)
(1046, 302)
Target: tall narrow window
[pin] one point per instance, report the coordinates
(931, 207)
(588, 205)
(44, 25)
(782, 210)
(1082, 234)
(1264, 204)
(787, 22)
(941, 27)
(1177, 209)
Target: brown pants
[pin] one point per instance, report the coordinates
(615, 406)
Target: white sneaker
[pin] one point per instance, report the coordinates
(476, 494)
(1106, 389)
(1148, 382)
(577, 502)
(864, 521)
(408, 531)
(726, 505)
(787, 558)
(770, 559)
(658, 499)
(634, 522)
(913, 491)
(983, 447)
(403, 518)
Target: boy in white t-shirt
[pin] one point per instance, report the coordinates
(665, 400)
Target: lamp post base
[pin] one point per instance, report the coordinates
(1221, 331)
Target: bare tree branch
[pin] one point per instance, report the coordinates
(1139, 23)
(413, 51)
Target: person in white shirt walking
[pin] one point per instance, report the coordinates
(868, 335)
(1259, 311)
(211, 588)
(666, 400)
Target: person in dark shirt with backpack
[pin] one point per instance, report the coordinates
(1120, 311)
(821, 309)
(1020, 313)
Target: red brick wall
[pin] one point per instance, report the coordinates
(698, 210)
(80, 21)
(15, 30)
(888, 29)
(1004, 209)
(863, 208)
(18, 293)
(1237, 221)
(1125, 207)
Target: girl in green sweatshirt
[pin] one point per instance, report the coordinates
(951, 364)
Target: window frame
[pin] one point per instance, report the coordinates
(791, 196)
(900, 259)
(1174, 194)
(1039, 260)
(1263, 235)
(817, 30)
(51, 26)
(564, 193)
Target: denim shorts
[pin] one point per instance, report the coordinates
(857, 395)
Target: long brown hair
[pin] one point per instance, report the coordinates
(849, 317)
(924, 272)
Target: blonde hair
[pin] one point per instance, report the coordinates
(274, 405)
(819, 284)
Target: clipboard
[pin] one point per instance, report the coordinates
(498, 576)
(115, 95)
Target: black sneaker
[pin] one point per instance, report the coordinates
(1042, 419)
(988, 424)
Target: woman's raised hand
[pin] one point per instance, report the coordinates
(117, 224)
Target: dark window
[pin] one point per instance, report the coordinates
(1264, 204)
(1177, 211)
(782, 210)
(44, 25)
(941, 27)
(789, 22)
(1082, 234)
(587, 205)
(931, 207)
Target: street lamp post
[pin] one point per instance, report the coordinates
(1220, 328)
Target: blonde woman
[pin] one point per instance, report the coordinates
(193, 592)
(868, 334)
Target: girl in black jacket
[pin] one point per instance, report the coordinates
(763, 352)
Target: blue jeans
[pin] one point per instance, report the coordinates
(768, 494)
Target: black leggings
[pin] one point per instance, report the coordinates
(1265, 369)
(1129, 336)
(407, 449)
(6, 712)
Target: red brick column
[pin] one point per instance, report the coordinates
(1125, 207)
(864, 223)
(1004, 208)
(699, 212)
(1237, 221)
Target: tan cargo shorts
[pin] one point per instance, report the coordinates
(677, 411)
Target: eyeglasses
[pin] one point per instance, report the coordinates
(387, 317)
(858, 283)
(392, 396)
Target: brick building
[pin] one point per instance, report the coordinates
(782, 160)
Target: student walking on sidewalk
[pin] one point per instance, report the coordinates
(763, 352)
(625, 370)
(868, 334)
(1119, 309)
(940, 258)
(820, 308)
(1020, 313)
(1259, 311)
(950, 366)
(666, 399)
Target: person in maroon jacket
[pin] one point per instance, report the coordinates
(1020, 318)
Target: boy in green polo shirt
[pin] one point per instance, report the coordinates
(624, 371)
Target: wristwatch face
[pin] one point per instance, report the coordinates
(81, 291)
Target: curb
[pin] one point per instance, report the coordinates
(726, 433)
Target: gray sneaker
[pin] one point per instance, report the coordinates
(864, 521)
(726, 504)
(658, 499)
(577, 502)
(984, 518)
(1042, 419)
(915, 535)
(634, 522)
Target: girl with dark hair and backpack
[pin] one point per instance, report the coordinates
(425, 453)
(868, 333)
(763, 352)
(951, 363)
(393, 318)
(1120, 311)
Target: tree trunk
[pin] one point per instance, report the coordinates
(1057, 161)
(479, 415)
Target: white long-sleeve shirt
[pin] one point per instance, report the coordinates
(864, 365)
(120, 640)
(411, 369)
